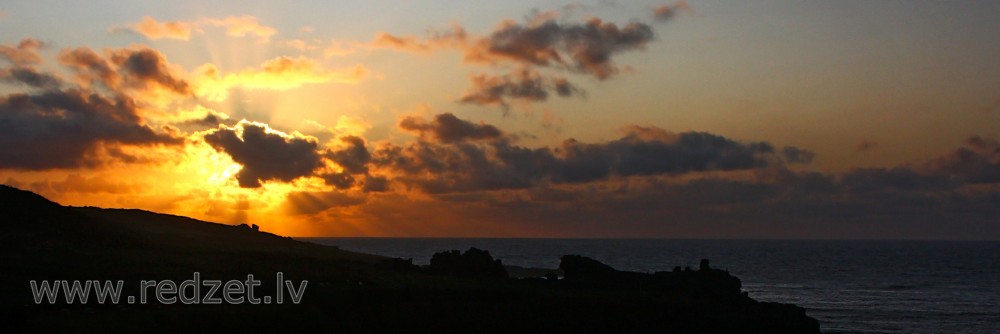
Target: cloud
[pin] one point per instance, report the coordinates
(25, 53)
(266, 154)
(375, 184)
(145, 67)
(541, 42)
(300, 45)
(524, 84)
(464, 159)
(454, 37)
(197, 118)
(769, 203)
(354, 157)
(898, 202)
(31, 77)
(407, 43)
(871, 180)
(239, 26)
(90, 67)
(342, 180)
(865, 145)
(79, 125)
(797, 155)
(68, 129)
(446, 128)
(668, 11)
(336, 49)
(152, 29)
(333, 48)
(139, 69)
(280, 73)
(236, 26)
(977, 162)
(582, 47)
(586, 47)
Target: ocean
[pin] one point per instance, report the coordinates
(849, 286)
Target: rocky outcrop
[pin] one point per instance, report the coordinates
(473, 263)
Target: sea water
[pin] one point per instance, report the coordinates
(849, 286)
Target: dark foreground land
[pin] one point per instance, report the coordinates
(347, 292)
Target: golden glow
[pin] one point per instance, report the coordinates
(282, 73)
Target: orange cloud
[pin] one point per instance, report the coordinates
(236, 26)
(280, 73)
(152, 29)
(337, 48)
(299, 44)
(454, 37)
(668, 11)
(141, 72)
(25, 53)
(239, 26)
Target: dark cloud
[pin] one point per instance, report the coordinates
(23, 59)
(524, 84)
(446, 128)
(868, 180)
(66, 129)
(268, 155)
(797, 155)
(768, 203)
(69, 126)
(339, 180)
(265, 154)
(31, 77)
(90, 66)
(457, 165)
(210, 120)
(147, 66)
(866, 145)
(354, 157)
(892, 203)
(541, 41)
(463, 166)
(977, 162)
(375, 184)
(583, 47)
(138, 68)
(636, 154)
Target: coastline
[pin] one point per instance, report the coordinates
(349, 291)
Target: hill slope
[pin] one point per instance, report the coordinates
(346, 291)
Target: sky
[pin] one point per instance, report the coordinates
(631, 119)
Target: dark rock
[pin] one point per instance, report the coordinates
(473, 263)
(579, 267)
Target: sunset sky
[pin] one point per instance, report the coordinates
(698, 119)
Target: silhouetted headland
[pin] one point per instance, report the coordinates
(459, 292)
